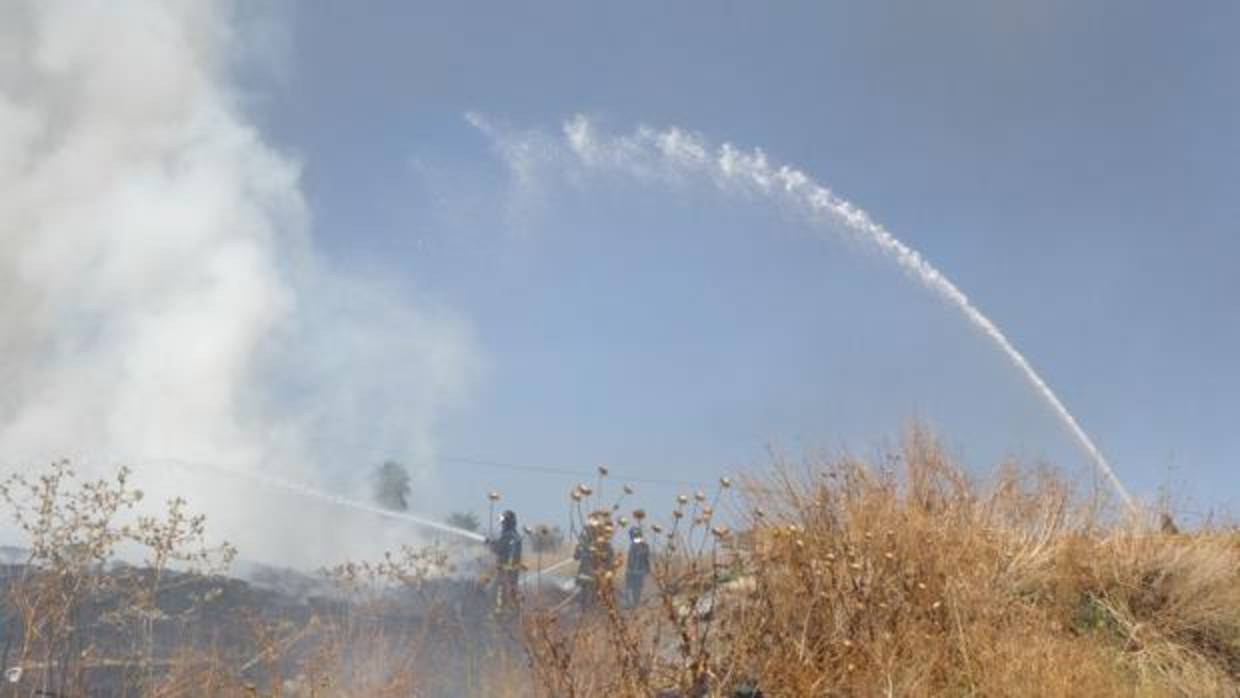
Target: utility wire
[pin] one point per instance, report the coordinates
(569, 471)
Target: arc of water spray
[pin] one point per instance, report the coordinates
(310, 492)
(671, 154)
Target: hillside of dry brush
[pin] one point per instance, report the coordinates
(904, 577)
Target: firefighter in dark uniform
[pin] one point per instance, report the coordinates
(636, 567)
(507, 550)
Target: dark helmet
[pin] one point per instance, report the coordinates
(508, 520)
(635, 533)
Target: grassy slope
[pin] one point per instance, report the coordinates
(841, 579)
(914, 580)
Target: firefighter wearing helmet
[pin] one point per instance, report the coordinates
(507, 551)
(636, 567)
(595, 557)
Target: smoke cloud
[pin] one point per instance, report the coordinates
(161, 294)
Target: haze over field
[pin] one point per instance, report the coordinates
(298, 241)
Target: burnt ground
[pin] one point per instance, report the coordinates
(275, 625)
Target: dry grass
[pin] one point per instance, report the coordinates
(911, 579)
(847, 578)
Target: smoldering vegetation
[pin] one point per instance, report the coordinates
(905, 577)
(77, 621)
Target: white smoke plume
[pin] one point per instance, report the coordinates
(161, 293)
(675, 156)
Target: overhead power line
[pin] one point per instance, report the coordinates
(551, 470)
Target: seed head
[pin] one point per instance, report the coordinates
(602, 470)
(682, 499)
(639, 514)
(628, 489)
(493, 495)
(725, 482)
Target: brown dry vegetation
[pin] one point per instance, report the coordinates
(911, 579)
(844, 578)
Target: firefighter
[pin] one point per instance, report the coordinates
(507, 551)
(636, 567)
(594, 557)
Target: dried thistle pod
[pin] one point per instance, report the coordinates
(639, 514)
(602, 470)
(725, 482)
(585, 489)
(678, 513)
(576, 495)
(656, 528)
(493, 495)
(628, 489)
(682, 499)
(720, 531)
(700, 496)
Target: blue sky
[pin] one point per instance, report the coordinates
(1070, 165)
